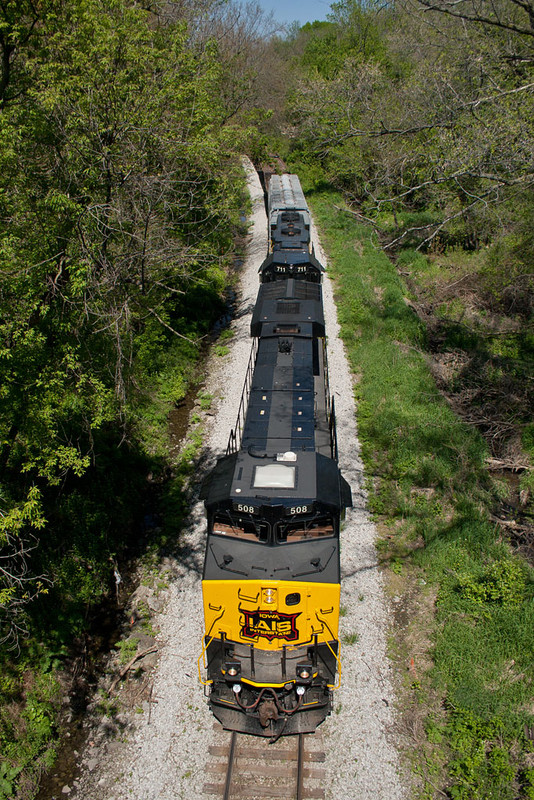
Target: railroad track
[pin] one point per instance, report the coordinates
(248, 768)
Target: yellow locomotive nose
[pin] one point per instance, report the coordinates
(268, 596)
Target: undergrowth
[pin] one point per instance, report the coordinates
(430, 490)
(102, 518)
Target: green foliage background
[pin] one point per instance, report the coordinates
(120, 195)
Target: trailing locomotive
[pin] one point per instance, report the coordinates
(274, 502)
(290, 254)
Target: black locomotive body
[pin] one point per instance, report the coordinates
(274, 504)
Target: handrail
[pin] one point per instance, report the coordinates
(326, 376)
(338, 684)
(206, 645)
(333, 430)
(202, 657)
(325, 623)
(236, 434)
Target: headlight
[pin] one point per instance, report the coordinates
(269, 596)
(304, 672)
(232, 668)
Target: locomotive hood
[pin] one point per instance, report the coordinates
(283, 480)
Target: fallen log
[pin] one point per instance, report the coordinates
(129, 665)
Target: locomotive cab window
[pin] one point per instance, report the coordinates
(240, 528)
(298, 530)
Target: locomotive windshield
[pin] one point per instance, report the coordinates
(227, 524)
(297, 530)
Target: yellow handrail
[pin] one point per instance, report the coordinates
(330, 685)
(205, 646)
(202, 657)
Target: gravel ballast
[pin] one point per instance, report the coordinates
(162, 753)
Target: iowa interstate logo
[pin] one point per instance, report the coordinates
(270, 625)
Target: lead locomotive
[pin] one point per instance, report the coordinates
(274, 504)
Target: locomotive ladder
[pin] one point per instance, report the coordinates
(248, 768)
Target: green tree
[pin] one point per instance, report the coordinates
(118, 196)
(439, 115)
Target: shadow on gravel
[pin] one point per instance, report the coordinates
(245, 311)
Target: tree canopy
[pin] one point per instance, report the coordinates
(118, 201)
(423, 103)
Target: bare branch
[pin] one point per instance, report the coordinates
(450, 8)
(171, 329)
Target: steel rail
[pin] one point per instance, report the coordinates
(229, 771)
(300, 767)
(250, 770)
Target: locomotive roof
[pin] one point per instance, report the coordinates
(254, 478)
(276, 415)
(285, 194)
(285, 305)
(290, 230)
(299, 257)
(285, 456)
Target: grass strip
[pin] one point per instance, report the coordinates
(431, 494)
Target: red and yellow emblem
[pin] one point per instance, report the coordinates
(269, 624)
(258, 612)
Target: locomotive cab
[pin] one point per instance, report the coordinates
(283, 264)
(271, 591)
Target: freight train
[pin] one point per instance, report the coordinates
(274, 502)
